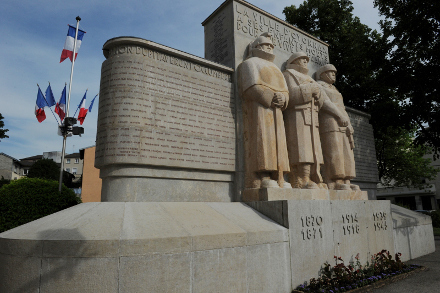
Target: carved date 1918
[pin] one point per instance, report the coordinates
(349, 224)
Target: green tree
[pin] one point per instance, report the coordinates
(48, 169)
(412, 28)
(406, 167)
(44, 169)
(2, 130)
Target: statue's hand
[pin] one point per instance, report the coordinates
(342, 121)
(278, 100)
(350, 129)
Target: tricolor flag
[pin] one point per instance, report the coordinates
(49, 96)
(39, 106)
(68, 45)
(91, 104)
(82, 111)
(60, 108)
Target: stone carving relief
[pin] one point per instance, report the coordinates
(336, 138)
(314, 131)
(264, 92)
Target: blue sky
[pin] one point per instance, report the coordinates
(33, 35)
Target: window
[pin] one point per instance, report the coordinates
(76, 161)
(74, 170)
(68, 170)
(67, 161)
(25, 171)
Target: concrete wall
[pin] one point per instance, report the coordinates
(413, 234)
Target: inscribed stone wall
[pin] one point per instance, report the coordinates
(237, 23)
(157, 108)
(321, 229)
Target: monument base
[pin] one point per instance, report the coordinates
(271, 194)
(202, 247)
(147, 247)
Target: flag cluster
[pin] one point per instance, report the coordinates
(60, 107)
(49, 100)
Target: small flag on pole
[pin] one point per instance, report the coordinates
(49, 97)
(82, 111)
(91, 104)
(39, 106)
(68, 44)
(60, 108)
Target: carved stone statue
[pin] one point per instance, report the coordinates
(264, 93)
(336, 139)
(306, 99)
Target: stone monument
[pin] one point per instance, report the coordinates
(171, 148)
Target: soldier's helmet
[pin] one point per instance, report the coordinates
(263, 39)
(325, 68)
(297, 55)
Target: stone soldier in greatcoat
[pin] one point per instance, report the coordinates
(264, 93)
(337, 140)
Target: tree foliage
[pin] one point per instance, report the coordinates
(48, 169)
(406, 167)
(28, 199)
(2, 129)
(391, 75)
(44, 169)
(412, 28)
(356, 51)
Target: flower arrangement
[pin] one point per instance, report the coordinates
(342, 278)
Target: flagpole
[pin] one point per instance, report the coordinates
(68, 103)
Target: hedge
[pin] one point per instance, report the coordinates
(28, 199)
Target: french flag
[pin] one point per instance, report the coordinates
(39, 106)
(68, 45)
(83, 110)
(60, 108)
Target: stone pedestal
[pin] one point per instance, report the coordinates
(271, 194)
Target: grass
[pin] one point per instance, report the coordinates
(436, 231)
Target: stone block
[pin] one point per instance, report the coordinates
(268, 268)
(148, 228)
(311, 238)
(421, 240)
(347, 195)
(351, 232)
(257, 231)
(146, 189)
(19, 274)
(380, 228)
(156, 273)
(74, 274)
(207, 228)
(402, 243)
(219, 270)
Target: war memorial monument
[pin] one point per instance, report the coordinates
(239, 172)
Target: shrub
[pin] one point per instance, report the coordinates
(28, 199)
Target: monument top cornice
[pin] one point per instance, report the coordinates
(245, 3)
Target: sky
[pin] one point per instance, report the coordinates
(32, 38)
